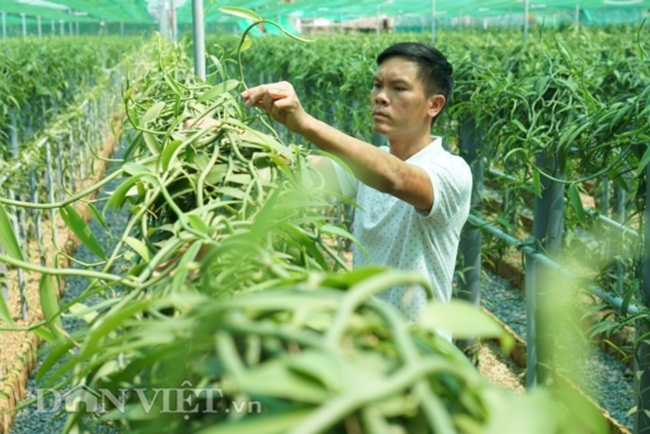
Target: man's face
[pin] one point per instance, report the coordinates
(398, 102)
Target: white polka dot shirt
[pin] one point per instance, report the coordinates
(395, 234)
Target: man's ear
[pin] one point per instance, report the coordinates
(436, 103)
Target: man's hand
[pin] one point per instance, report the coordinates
(201, 123)
(281, 102)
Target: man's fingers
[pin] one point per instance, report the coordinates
(267, 94)
(277, 93)
(201, 123)
(253, 95)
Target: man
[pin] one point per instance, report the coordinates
(414, 196)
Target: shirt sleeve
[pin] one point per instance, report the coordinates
(347, 181)
(451, 180)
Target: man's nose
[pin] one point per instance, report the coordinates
(380, 97)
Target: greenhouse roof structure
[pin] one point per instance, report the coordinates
(147, 11)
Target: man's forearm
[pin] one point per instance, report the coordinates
(372, 166)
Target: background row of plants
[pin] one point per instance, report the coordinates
(40, 77)
(222, 279)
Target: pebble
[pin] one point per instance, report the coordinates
(608, 381)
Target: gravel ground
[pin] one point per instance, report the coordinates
(610, 381)
(32, 420)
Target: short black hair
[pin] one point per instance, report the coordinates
(435, 71)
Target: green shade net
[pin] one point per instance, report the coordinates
(126, 11)
(414, 14)
(14, 10)
(419, 12)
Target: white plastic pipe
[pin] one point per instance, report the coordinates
(199, 38)
(525, 20)
(172, 21)
(378, 23)
(433, 21)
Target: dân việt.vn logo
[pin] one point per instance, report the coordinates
(181, 400)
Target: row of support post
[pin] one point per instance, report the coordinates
(642, 328)
(73, 27)
(471, 141)
(471, 144)
(168, 27)
(64, 170)
(547, 236)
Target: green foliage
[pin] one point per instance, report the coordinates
(8, 239)
(50, 305)
(78, 226)
(40, 77)
(225, 281)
